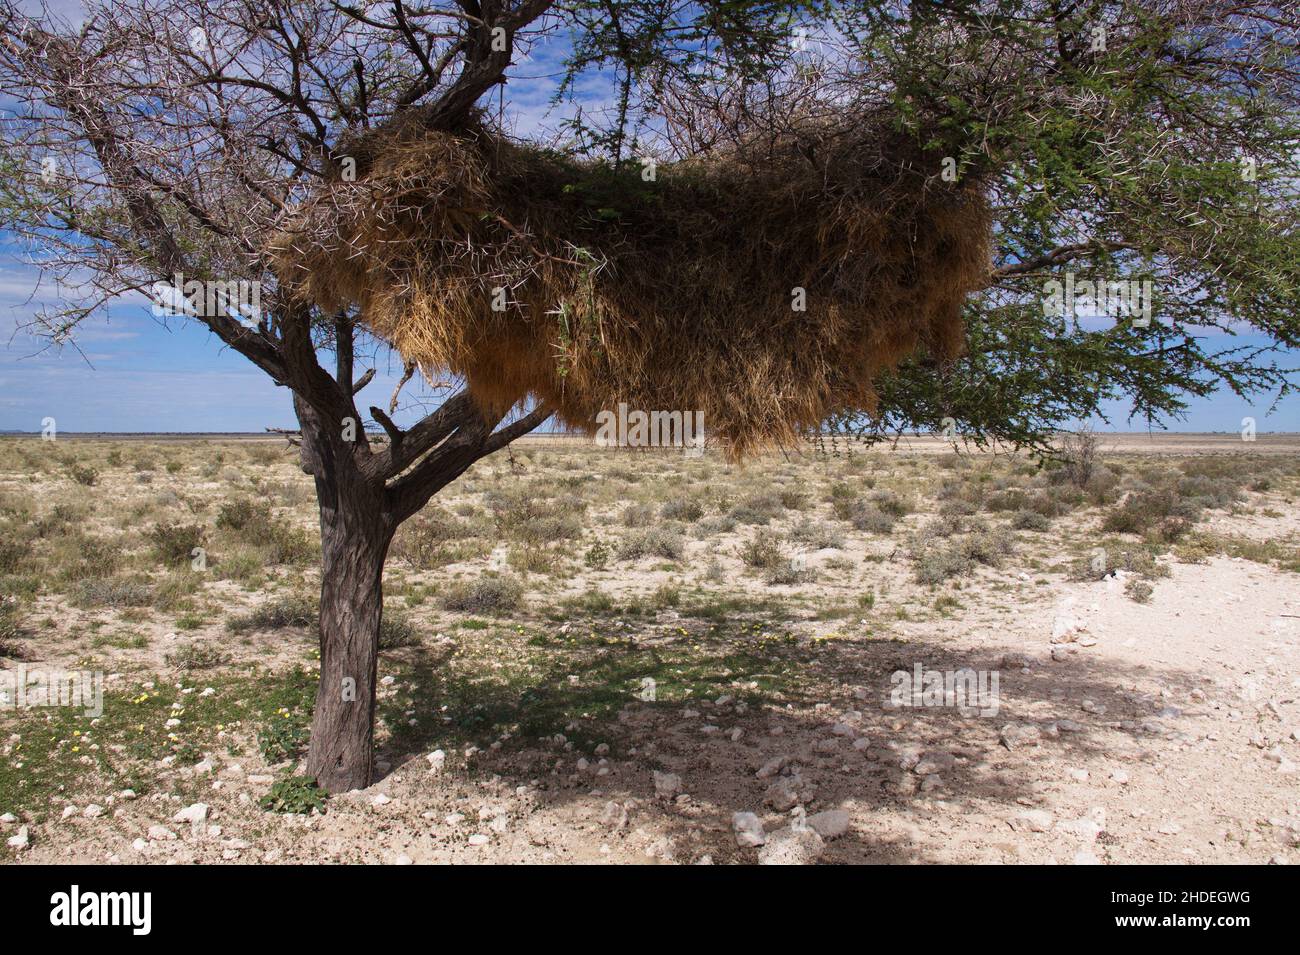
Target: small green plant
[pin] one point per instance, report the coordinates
(294, 794)
(283, 738)
(597, 555)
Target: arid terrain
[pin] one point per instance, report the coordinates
(598, 655)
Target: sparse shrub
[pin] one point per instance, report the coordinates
(92, 592)
(487, 595)
(1139, 590)
(762, 551)
(294, 610)
(638, 515)
(1101, 561)
(788, 575)
(758, 509)
(597, 555)
(872, 520)
(1028, 520)
(935, 564)
(652, 542)
(10, 629)
(958, 507)
(1013, 499)
(989, 545)
(83, 474)
(174, 544)
(666, 596)
(286, 544)
(197, 656)
(1079, 454)
(243, 514)
(395, 631)
(13, 551)
(890, 503)
(530, 520)
(817, 535)
(263, 453)
(424, 540)
(720, 524)
(684, 509)
(793, 499)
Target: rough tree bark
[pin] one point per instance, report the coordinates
(364, 495)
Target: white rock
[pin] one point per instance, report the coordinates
(93, 811)
(791, 846)
(772, 767)
(19, 840)
(830, 823)
(478, 839)
(8, 818)
(381, 800)
(196, 815)
(667, 785)
(1035, 820)
(748, 829)
(403, 859)
(161, 834)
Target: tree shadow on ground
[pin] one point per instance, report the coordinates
(787, 697)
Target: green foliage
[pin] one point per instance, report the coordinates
(294, 794)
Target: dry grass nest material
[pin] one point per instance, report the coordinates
(670, 294)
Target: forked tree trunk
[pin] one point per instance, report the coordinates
(359, 512)
(355, 533)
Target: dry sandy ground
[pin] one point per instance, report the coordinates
(1171, 738)
(1164, 732)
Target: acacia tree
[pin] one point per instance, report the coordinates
(161, 139)
(165, 139)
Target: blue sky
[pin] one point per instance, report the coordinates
(129, 372)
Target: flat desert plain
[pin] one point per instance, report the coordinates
(597, 655)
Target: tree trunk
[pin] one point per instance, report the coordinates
(351, 605)
(355, 532)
